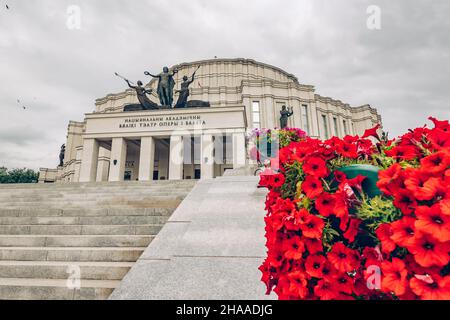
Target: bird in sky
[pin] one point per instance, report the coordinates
(19, 103)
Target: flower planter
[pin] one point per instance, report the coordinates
(317, 227)
(370, 172)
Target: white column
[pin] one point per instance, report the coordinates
(78, 160)
(207, 156)
(147, 159)
(269, 107)
(88, 170)
(118, 160)
(239, 150)
(103, 164)
(314, 121)
(176, 159)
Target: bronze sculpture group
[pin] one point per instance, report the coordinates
(165, 92)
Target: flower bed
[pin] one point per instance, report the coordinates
(334, 236)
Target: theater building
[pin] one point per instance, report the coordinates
(194, 143)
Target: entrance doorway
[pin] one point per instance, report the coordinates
(162, 154)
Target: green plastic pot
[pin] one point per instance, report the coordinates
(370, 172)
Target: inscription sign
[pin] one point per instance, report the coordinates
(162, 122)
(105, 125)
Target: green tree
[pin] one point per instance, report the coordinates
(18, 176)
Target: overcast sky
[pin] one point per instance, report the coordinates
(403, 69)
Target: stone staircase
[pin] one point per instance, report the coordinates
(49, 233)
(210, 248)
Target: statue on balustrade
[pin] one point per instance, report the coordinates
(286, 113)
(62, 154)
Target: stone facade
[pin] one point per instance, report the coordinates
(111, 145)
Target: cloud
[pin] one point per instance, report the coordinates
(402, 69)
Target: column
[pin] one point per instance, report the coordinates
(103, 164)
(176, 159)
(78, 163)
(207, 156)
(147, 159)
(118, 160)
(314, 126)
(269, 108)
(239, 150)
(88, 170)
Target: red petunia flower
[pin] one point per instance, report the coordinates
(294, 248)
(384, 234)
(429, 252)
(443, 125)
(373, 256)
(404, 231)
(313, 246)
(312, 187)
(278, 180)
(282, 288)
(432, 221)
(422, 185)
(283, 206)
(389, 177)
(314, 265)
(445, 206)
(325, 290)
(297, 285)
(436, 163)
(372, 133)
(407, 153)
(436, 289)
(312, 227)
(325, 204)
(439, 139)
(275, 259)
(343, 259)
(405, 201)
(347, 150)
(329, 272)
(365, 147)
(341, 207)
(352, 230)
(344, 283)
(394, 277)
(296, 219)
(299, 150)
(316, 166)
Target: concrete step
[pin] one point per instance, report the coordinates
(49, 289)
(62, 270)
(132, 201)
(80, 189)
(99, 186)
(136, 204)
(91, 195)
(91, 254)
(148, 229)
(86, 212)
(107, 220)
(109, 241)
(102, 228)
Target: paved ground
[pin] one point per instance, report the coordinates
(210, 249)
